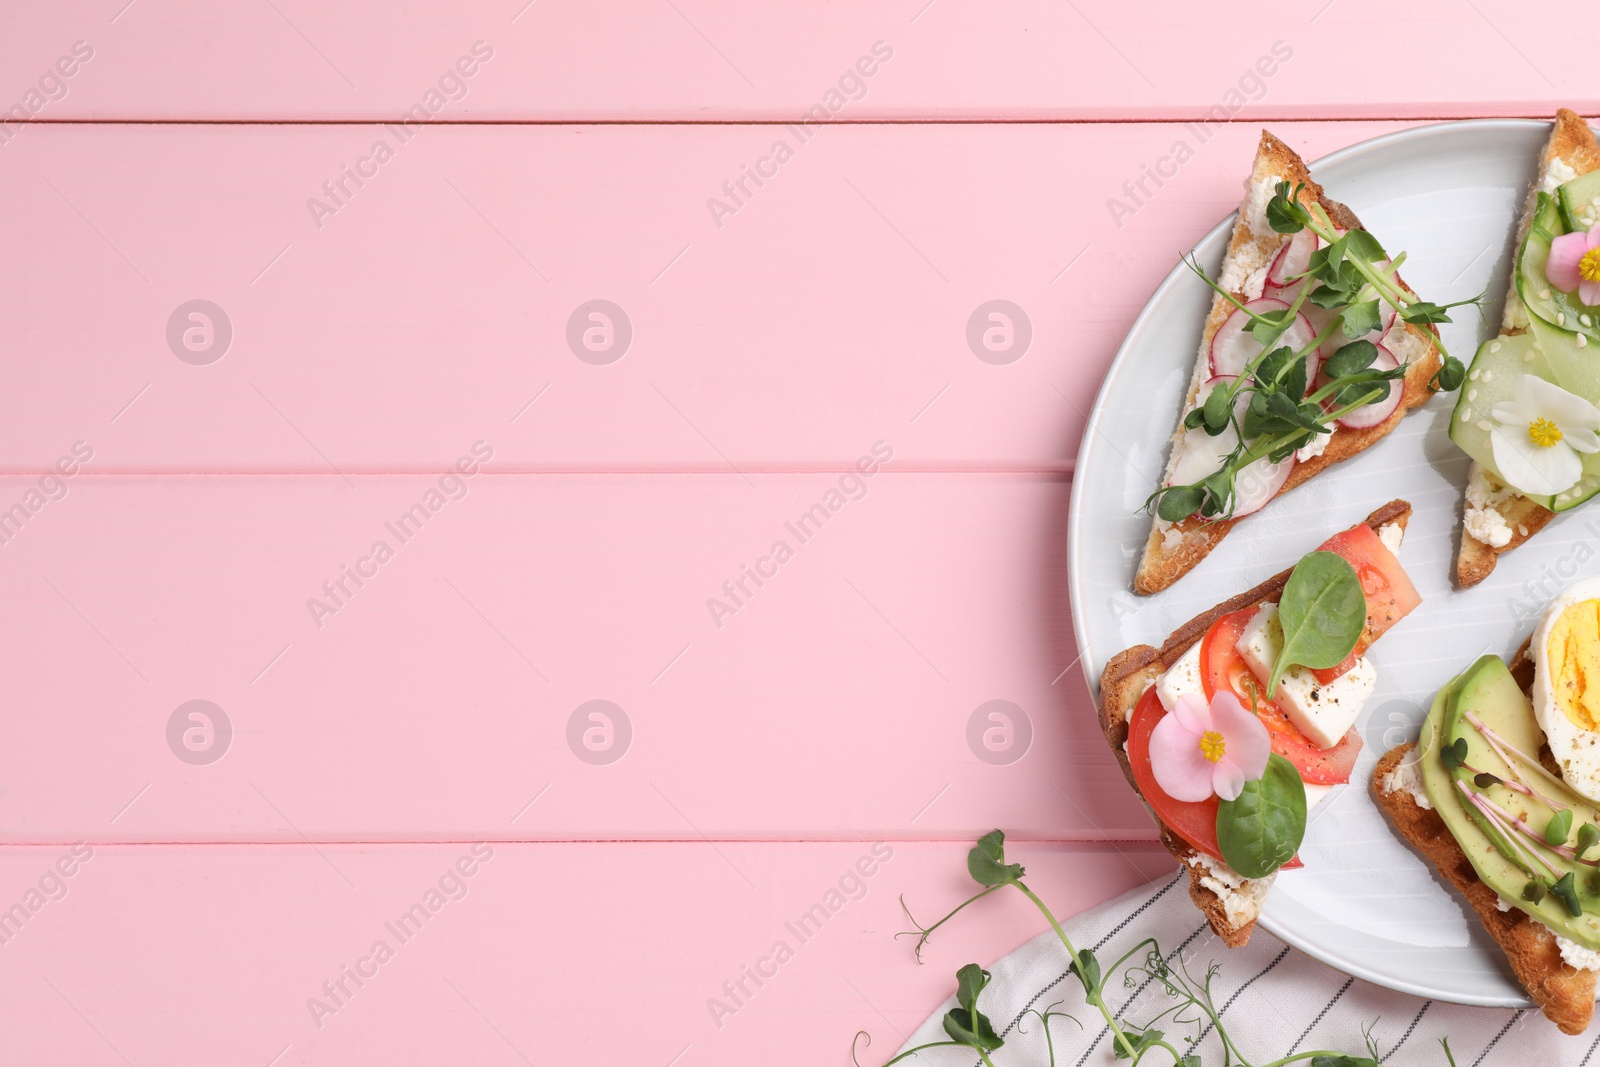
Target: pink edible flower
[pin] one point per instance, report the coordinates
(1199, 749)
(1574, 264)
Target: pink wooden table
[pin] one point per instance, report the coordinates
(579, 310)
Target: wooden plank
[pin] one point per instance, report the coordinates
(842, 304)
(435, 699)
(544, 954)
(643, 60)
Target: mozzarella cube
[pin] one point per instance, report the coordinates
(1182, 679)
(1324, 713)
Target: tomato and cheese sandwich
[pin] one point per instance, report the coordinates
(1246, 717)
(1501, 793)
(1313, 351)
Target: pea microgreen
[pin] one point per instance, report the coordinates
(1190, 998)
(1283, 411)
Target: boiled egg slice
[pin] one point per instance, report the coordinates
(1566, 683)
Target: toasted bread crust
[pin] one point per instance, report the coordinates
(1564, 993)
(1475, 560)
(1572, 142)
(1164, 563)
(1133, 670)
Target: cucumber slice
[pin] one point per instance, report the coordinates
(1561, 310)
(1585, 490)
(1492, 380)
(1580, 201)
(1577, 370)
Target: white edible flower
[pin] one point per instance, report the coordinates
(1541, 432)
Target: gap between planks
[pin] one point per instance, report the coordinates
(1156, 119)
(1097, 841)
(1044, 472)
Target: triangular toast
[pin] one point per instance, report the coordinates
(1174, 549)
(1492, 511)
(1124, 681)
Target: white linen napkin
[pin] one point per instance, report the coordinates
(1274, 1001)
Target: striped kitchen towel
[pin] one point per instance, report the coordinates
(1274, 1002)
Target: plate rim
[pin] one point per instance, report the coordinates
(1075, 517)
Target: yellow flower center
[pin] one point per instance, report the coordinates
(1543, 432)
(1212, 745)
(1589, 265)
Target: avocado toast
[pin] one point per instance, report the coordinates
(1499, 794)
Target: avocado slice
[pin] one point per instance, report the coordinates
(1564, 311)
(1487, 690)
(1580, 201)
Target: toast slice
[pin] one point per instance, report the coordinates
(1174, 549)
(1230, 904)
(1495, 518)
(1563, 992)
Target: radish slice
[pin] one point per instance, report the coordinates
(1259, 483)
(1293, 259)
(1200, 455)
(1233, 348)
(1375, 412)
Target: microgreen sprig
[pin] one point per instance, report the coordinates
(1351, 276)
(1193, 1006)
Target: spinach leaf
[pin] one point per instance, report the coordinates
(1323, 611)
(1260, 830)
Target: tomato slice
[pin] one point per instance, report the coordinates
(1222, 669)
(1195, 822)
(1390, 594)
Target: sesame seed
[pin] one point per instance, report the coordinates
(1544, 294)
(1584, 320)
(1561, 318)
(1483, 424)
(1472, 374)
(1527, 357)
(1583, 340)
(1495, 347)
(1488, 374)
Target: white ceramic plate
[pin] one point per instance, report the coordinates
(1449, 196)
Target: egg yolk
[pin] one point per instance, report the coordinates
(1574, 652)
